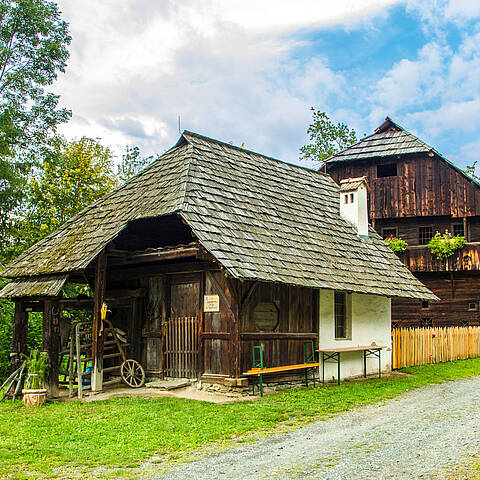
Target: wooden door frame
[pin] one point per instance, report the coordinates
(177, 279)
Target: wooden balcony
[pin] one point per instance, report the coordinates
(419, 259)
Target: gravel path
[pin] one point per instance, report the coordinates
(409, 437)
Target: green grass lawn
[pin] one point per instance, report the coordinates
(62, 438)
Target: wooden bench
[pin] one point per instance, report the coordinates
(334, 354)
(259, 370)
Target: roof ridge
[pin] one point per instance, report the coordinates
(184, 202)
(379, 130)
(246, 150)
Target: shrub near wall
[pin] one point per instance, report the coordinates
(34, 338)
(6, 328)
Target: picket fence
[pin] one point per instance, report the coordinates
(420, 346)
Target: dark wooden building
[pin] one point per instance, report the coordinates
(415, 192)
(209, 251)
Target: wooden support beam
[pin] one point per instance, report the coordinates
(152, 255)
(97, 329)
(129, 273)
(135, 328)
(51, 343)
(20, 329)
(248, 295)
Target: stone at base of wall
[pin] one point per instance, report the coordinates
(246, 389)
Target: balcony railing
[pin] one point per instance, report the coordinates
(419, 259)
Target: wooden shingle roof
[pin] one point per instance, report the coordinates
(261, 218)
(387, 140)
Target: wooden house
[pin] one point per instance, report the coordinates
(211, 250)
(415, 192)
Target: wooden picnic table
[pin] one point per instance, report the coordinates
(334, 355)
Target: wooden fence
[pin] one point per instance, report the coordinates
(180, 337)
(419, 346)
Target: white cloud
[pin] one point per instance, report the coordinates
(224, 67)
(463, 116)
(413, 82)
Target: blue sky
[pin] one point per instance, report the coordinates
(248, 72)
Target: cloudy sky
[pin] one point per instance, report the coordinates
(248, 72)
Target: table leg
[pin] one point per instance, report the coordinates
(323, 367)
(261, 385)
(338, 363)
(365, 363)
(379, 364)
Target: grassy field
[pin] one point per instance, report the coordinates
(110, 439)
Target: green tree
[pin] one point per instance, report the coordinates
(71, 176)
(132, 163)
(33, 49)
(471, 169)
(326, 137)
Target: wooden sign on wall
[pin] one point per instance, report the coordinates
(211, 303)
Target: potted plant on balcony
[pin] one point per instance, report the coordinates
(396, 244)
(443, 246)
(34, 393)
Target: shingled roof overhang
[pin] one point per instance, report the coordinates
(261, 218)
(390, 140)
(43, 286)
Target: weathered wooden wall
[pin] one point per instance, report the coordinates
(218, 333)
(298, 322)
(423, 186)
(420, 259)
(226, 337)
(407, 228)
(456, 291)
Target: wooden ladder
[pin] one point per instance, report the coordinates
(80, 355)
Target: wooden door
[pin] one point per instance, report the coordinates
(185, 299)
(181, 331)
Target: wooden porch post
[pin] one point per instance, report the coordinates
(97, 329)
(51, 343)
(20, 329)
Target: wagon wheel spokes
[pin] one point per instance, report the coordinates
(132, 373)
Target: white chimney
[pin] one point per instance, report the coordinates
(353, 203)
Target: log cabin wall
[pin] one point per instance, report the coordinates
(426, 192)
(423, 186)
(282, 339)
(459, 295)
(218, 329)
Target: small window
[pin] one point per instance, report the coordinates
(425, 304)
(351, 198)
(458, 229)
(346, 198)
(426, 322)
(424, 235)
(341, 316)
(472, 306)
(387, 170)
(389, 232)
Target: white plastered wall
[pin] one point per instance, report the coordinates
(370, 324)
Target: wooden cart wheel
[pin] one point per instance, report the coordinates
(132, 373)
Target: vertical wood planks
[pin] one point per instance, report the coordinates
(181, 347)
(420, 346)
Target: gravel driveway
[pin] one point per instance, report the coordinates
(411, 436)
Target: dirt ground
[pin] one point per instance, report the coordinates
(191, 392)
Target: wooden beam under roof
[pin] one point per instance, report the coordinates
(125, 257)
